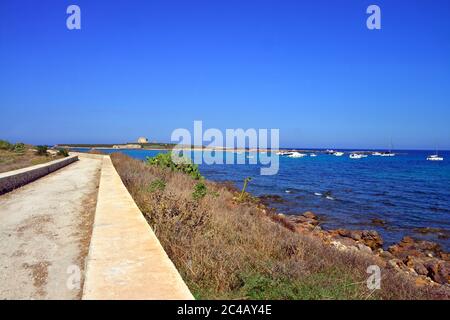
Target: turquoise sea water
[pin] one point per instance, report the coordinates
(405, 191)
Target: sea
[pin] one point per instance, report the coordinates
(396, 196)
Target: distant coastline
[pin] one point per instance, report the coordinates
(170, 146)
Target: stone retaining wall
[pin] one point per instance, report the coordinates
(14, 179)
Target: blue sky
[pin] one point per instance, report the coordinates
(310, 68)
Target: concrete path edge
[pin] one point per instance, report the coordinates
(126, 260)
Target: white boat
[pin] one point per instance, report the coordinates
(296, 155)
(376, 153)
(387, 154)
(338, 154)
(356, 156)
(283, 153)
(435, 157)
(313, 155)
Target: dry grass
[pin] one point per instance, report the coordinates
(229, 250)
(10, 160)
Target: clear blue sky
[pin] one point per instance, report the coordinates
(310, 68)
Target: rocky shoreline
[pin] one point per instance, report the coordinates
(422, 259)
(425, 261)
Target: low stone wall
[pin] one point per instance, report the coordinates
(126, 259)
(14, 179)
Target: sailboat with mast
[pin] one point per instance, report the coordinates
(389, 153)
(435, 157)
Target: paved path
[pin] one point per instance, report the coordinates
(45, 230)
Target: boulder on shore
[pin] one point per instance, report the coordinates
(370, 238)
(424, 257)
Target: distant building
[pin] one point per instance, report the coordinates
(142, 140)
(127, 146)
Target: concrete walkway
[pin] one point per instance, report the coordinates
(45, 230)
(126, 260)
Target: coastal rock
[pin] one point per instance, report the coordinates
(370, 238)
(310, 215)
(363, 248)
(441, 233)
(438, 270)
(416, 265)
(397, 264)
(349, 242)
(302, 228)
(342, 247)
(386, 255)
(423, 260)
(307, 220)
(424, 257)
(422, 281)
(268, 199)
(378, 222)
(445, 256)
(416, 248)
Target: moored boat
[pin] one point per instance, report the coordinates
(387, 154)
(296, 155)
(435, 157)
(356, 156)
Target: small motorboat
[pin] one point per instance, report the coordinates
(296, 155)
(356, 156)
(313, 155)
(338, 154)
(435, 157)
(282, 153)
(387, 154)
(376, 153)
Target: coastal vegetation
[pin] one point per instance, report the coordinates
(63, 152)
(183, 164)
(227, 246)
(42, 150)
(15, 156)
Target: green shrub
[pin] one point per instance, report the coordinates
(199, 191)
(18, 147)
(157, 184)
(243, 194)
(63, 152)
(42, 150)
(5, 145)
(182, 164)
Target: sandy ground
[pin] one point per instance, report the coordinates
(45, 229)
